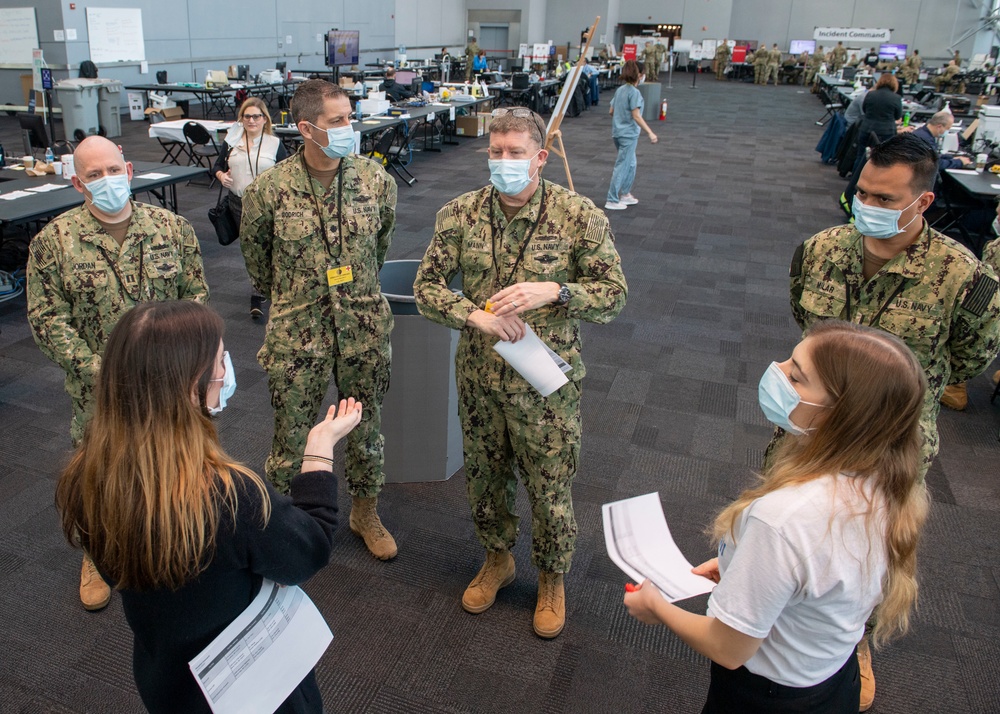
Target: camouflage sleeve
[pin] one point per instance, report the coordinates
(388, 216)
(434, 298)
(257, 236)
(975, 330)
(600, 290)
(50, 315)
(795, 287)
(193, 285)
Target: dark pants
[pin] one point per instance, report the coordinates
(739, 691)
(236, 211)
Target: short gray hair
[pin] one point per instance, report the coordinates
(942, 118)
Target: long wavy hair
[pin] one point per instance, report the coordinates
(871, 433)
(143, 493)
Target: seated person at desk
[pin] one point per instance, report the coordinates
(395, 92)
(479, 64)
(945, 78)
(444, 55)
(936, 127)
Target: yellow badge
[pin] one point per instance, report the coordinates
(489, 307)
(339, 275)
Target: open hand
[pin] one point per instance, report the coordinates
(522, 297)
(339, 422)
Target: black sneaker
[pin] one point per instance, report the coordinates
(256, 312)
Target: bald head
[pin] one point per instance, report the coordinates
(96, 151)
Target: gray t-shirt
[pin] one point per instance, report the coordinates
(623, 126)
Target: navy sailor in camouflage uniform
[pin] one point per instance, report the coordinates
(535, 254)
(892, 271)
(90, 266)
(315, 232)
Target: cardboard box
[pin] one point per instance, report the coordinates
(347, 83)
(168, 113)
(473, 125)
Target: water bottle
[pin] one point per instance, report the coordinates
(49, 156)
(906, 119)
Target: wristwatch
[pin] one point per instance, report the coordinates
(564, 294)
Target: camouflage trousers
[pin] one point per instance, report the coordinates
(772, 73)
(83, 399)
(537, 437)
(298, 386)
(720, 70)
(759, 73)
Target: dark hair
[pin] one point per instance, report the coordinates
(887, 80)
(390, 72)
(308, 100)
(911, 151)
(630, 72)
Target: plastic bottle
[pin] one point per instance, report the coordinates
(49, 156)
(906, 119)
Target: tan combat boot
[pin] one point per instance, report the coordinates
(364, 521)
(497, 572)
(867, 676)
(996, 377)
(550, 612)
(95, 594)
(955, 397)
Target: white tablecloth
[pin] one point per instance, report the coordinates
(174, 130)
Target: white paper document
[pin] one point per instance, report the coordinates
(47, 187)
(639, 542)
(535, 361)
(262, 656)
(152, 176)
(14, 194)
(963, 172)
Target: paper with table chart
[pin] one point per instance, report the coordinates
(639, 542)
(151, 176)
(264, 653)
(14, 194)
(46, 187)
(535, 361)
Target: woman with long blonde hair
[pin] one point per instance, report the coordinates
(828, 535)
(183, 531)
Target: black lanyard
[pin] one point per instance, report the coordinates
(319, 209)
(121, 283)
(524, 245)
(255, 168)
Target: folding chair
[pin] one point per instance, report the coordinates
(201, 148)
(392, 145)
(173, 150)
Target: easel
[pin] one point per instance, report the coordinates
(553, 135)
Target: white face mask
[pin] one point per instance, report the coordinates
(235, 134)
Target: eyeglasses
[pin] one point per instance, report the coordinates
(253, 117)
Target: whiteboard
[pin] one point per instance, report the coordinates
(18, 35)
(115, 34)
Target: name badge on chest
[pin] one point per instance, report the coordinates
(339, 275)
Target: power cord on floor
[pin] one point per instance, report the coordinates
(11, 285)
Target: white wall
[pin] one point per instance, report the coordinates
(430, 25)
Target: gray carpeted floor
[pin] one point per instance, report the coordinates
(670, 405)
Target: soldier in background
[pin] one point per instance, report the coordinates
(838, 56)
(815, 62)
(911, 68)
(722, 54)
(760, 58)
(471, 52)
(531, 253)
(773, 60)
(90, 266)
(315, 232)
(894, 272)
(650, 62)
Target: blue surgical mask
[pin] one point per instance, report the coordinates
(880, 223)
(339, 141)
(228, 385)
(510, 176)
(109, 194)
(778, 399)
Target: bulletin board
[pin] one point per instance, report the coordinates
(115, 34)
(18, 35)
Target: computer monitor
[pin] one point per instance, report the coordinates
(417, 86)
(280, 66)
(33, 126)
(243, 72)
(799, 46)
(343, 47)
(405, 77)
(891, 52)
(848, 73)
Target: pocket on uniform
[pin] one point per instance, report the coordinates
(820, 304)
(547, 264)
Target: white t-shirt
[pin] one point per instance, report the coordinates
(804, 574)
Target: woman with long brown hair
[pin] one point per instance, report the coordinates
(828, 535)
(183, 531)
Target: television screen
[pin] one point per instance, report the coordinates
(800, 46)
(343, 47)
(892, 52)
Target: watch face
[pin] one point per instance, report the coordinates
(564, 295)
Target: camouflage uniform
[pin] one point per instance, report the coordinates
(773, 60)
(815, 62)
(317, 330)
(81, 282)
(661, 55)
(651, 63)
(839, 57)
(760, 60)
(506, 424)
(991, 255)
(722, 54)
(471, 50)
(945, 78)
(935, 296)
(911, 69)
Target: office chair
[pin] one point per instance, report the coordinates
(201, 148)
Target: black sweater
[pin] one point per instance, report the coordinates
(171, 627)
(882, 107)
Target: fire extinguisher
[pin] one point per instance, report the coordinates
(663, 110)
